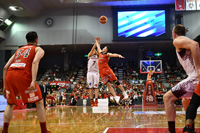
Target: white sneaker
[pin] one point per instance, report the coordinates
(125, 96)
(117, 98)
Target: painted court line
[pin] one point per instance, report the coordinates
(142, 130)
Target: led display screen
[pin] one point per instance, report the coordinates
(141, 23)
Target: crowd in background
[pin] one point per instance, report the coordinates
(133, 83)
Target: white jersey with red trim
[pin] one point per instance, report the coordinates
(93, 64)
(187, 61)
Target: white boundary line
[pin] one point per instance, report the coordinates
(105, 131)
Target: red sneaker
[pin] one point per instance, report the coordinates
(92, 103)
(96, 103)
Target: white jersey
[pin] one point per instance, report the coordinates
(187, 61)
(93, 64)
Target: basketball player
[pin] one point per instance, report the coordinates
(93, 75)
(149, 74)
(64, 98)
(193, 105)
(106, 72)
(188, 54)
(19, 76)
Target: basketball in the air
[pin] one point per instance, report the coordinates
(103, 19)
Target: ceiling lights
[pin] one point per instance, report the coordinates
(15, 8)
(8, 22)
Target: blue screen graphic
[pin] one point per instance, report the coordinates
(141, 23)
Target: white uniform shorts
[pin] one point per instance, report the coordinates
(185, 88)
(93, 79)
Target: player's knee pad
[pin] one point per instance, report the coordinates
(117, 83)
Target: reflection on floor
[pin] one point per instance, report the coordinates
(66, 119)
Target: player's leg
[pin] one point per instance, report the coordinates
(112, 77)
(181, 90)
(91, 97)
(185, 103)
(41, 115)
(11, 93)
(122, 89)
(96, 96)
(90, 85)
(7, 117)
(63, 101)
(96, 85)
(169, 98)
(105, 77)
(91, 93)
(34, 97)
(191, 113)
(112, 91)
(192, 110)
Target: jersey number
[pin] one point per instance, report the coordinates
(25, 53)
(94, 62)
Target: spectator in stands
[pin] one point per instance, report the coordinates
(68, 83)
(63, 98)
(51, 101)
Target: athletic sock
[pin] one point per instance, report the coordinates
(115, 97)
(43, 127)
(96, 98)
(171, 126)
(5, 127)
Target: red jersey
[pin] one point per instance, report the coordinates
(103, 61)
(19, 77)
(23, 58)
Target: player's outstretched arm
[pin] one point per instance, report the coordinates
(5, 69)
(90, 53)
(193, 46)
(38, 56)
(99, 41)
(115, 55)
(98, 45)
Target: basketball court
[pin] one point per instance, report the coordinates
(65, 30)
(84, 119)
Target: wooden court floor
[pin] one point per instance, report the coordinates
(68, 119)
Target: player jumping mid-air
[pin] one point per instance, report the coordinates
(106, 72)
(93, 75)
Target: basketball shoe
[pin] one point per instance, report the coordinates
(96, 103)
(188, 129)
(125, 96)
(92, 102)
(117, 98)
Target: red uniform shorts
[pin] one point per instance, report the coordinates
(18, 81)
(107, 75)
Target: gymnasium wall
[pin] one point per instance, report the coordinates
(2, 60)
(79, 26)
(4, 57)
(74, 28)
(191, 21)
(67, 28)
